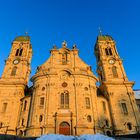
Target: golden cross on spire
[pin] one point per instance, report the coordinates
(26, 33)
(100, 31)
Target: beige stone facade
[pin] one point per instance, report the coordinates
(64, 98)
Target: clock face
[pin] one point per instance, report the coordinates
(16, 61)
(111, 61)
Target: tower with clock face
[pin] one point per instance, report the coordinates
(17, 66)
(13, 83)
(110, 67)
(116, 87)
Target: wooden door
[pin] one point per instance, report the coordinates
(64, 128)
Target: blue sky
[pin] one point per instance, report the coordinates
(50, 22)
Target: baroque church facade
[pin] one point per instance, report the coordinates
(64, 98)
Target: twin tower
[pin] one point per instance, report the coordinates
(64, 97)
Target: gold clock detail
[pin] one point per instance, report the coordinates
(111, 61)
(16, 61)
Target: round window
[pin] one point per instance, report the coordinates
(64, 84)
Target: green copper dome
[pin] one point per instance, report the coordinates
(104, 38)
(22, 38)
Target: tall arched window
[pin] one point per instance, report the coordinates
(87, 102)
(104, 106)
(64, 101)
(13, 72)
(17, 52)
(40, 118)
(25, 105)
(114, 71)
(22, 122)
(108, 51)
(20, 53)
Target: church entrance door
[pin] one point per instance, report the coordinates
(64, 128)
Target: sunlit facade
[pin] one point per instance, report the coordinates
(64, 97)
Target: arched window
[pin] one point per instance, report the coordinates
(129, 126)
(108, 51)
(20, 53)
(43, 88)
(107, 123)
(25, 105)
(22, 122)
(64, 101)
(17, 52)
(114, 71)
(13, 72)
(41, 101)
(4, 108)
(40, 118)
(87, 100)
(124, 108)
(89, 118)
(104, 106)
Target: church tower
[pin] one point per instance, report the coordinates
(116, 87)
(14, 82)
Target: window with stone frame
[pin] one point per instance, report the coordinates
(40, 118)
(89, 119)
(25, 105)
(41, 101)
(104, 106)
(14, 70)
(129, 126)
(4, 107)
(22, 122)
(19, 52)
(114, 72)
(124, 108)
(108, 51)
(87, 101)
(64, 100)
